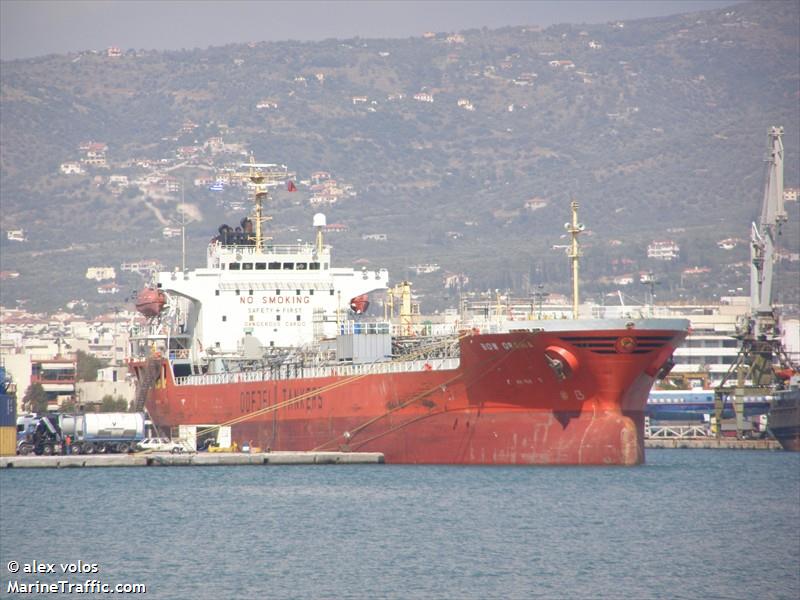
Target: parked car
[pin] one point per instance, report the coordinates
(162, 445)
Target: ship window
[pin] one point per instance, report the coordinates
(158, 286)
(298, 317)
(234, 266)
(272, 344)
(314, 266)
(277, 317)
(261, 266)
(237, 292)
(277, 292)
(247, 266)
(325, 266)
(274, 266)
(216, 344)
(252, 318)
(301, 266)
(310, 292)
(224, 318)
(331, 292)
(297, 292)
(216, 292)
(251, 292)
(288, 266)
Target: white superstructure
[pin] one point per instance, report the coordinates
(248, 298)
(253, 295)
(283, 295)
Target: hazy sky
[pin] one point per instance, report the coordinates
(36, 27)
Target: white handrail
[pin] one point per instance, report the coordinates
(409, 366)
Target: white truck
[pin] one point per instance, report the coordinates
(92, 433)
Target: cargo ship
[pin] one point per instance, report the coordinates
(698, 405)
(784, 416)
(274, 344)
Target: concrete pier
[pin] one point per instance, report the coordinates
(713, 444)
(165, 459)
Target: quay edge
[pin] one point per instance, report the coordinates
(196, 460)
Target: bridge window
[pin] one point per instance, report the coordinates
(247, 266)
(301, 266)
(234, 266)
(261, 266)
(314, 266)
(288, 266)
(274, 266)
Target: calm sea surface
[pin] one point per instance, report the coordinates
(689, 524)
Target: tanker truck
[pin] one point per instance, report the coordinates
(103, 432)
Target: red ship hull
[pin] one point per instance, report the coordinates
(570, 397)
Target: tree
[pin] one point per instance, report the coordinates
(35, 398)
(112, 404)
(69, 406)
(87, 366)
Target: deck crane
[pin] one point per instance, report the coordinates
(758, 331)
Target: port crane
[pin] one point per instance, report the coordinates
(760, 349)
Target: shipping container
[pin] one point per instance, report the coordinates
(8, 440)
(8, 410)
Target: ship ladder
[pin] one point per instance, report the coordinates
(150, 374)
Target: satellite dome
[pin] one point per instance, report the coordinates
(319, 220)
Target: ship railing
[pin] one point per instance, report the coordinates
(250, 249)
(410, 366)
(681, 432)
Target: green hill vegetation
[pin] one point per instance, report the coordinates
(657, 127)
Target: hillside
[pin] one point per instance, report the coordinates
(464, 149)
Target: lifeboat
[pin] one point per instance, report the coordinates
(150, 302)
(359, 304)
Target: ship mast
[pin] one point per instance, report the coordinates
(259, 194)
(261, 180)
(574, 252)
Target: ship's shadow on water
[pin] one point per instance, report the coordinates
(658, 530)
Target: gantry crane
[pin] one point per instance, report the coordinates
(758, 332)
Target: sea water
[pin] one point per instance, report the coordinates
(688, 524)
